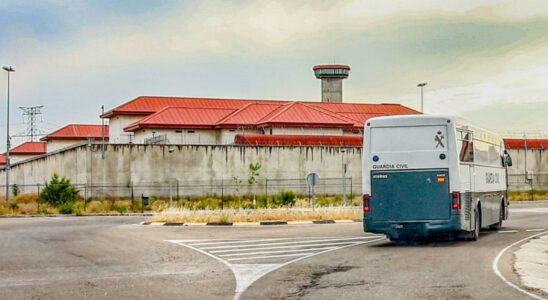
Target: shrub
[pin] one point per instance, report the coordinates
(15, 190)
(67, 208)
(59, 192)
(285, 198)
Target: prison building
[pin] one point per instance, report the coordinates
(205, 121)
(73, 134)
(27, 150)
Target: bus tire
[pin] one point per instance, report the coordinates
(477, 223)
(498, 226)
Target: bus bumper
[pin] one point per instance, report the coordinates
(412, 229)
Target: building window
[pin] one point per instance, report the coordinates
(178, 131)
(191, 131)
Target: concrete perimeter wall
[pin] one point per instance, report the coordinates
(148, 166)
(202, 169)
(533, 162)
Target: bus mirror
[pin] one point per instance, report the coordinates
(507, 160)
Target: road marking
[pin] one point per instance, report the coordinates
(249, 259)
(275, 251)
(283, 243)
(269, 256)
(495, 267)
(507, 231)
(250, 248)
(240, 241)
(535, 230)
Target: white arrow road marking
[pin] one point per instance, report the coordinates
(251, 259)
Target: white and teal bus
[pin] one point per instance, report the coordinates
(425, 174)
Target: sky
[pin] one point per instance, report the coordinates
(483, 60)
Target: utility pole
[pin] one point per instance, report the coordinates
(8, 142)
(31, 113)
(102, 132)
(422, 85)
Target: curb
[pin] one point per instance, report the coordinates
(74, 215)
(250, 224)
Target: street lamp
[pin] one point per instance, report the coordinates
(422, 85)
(8, 144)
(170, 150)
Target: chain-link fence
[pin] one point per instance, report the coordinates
(201, 194)
(528, 186)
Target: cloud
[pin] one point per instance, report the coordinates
(474, 54)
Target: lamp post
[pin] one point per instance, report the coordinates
(170, 150)
(422, 85)
(8, 142)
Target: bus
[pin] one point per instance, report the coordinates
(425, 175)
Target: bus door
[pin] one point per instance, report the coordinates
(466, 157)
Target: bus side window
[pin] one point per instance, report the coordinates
(466, 147)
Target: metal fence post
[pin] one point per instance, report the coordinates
(222, 195)
(351, 194)
(132, 196)
(38, 199)
(177, 192)
(266, 191)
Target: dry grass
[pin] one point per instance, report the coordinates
(528, 196)
(281, 214)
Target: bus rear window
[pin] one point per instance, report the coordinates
(403, 139)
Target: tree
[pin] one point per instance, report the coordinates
(59, 191)
(254, 169)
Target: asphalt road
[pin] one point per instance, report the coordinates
(111, 258)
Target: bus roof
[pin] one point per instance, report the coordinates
(425, 120)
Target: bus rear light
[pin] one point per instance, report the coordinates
(366, 207)
(456, 200)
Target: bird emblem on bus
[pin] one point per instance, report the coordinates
(439, 140)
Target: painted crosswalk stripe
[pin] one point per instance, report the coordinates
(275, 251)
(269, 256)
(282, 243)
(535, 230)
(240, 241)
(282, 247)
(508, 231)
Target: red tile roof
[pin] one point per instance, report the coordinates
(29, 148)
(530, 143)
(2, 159)
(146, 105)
(250, 113)
(182, 117)
(300, 114)
(78, 132)
(299, 140)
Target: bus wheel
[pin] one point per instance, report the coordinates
(498, 225)
(477, 223)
